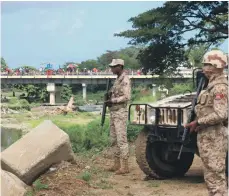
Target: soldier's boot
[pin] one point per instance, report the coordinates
(124, 167)
(116, 165)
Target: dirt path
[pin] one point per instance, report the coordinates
(133, 184)
(67, 181)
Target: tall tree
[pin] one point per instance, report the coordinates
(162, 30)
(195, 55)
(105, 59)
(89, 64)
(129, 55)
(3, 64)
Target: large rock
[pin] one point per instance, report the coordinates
(34, 153)
(11, 185)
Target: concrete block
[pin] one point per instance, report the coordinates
(34, 153)
(11, 185)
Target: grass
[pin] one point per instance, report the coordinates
(145, 99)
(153, 184)
(95, 176)
(29, 193)
(17, 104)
(60, 120)
(104, 184)
(83, 128)
(91, 97)
(86, 176)
(38, 185)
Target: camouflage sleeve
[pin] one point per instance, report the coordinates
(220, 106)
(126, 92)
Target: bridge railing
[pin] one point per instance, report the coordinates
(78, 74)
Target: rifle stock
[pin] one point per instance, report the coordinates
(192, 116)
(106, 97)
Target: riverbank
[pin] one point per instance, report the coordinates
(23, 121)
(89, 177)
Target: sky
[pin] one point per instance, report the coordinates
(33, 33)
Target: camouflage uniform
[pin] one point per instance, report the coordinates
(212, 111)
(120, 95)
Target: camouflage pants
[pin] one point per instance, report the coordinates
(212, 144)
(118, 133)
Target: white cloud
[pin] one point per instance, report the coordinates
(49, 21)
(77, 24)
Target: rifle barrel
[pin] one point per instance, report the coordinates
(192, 114)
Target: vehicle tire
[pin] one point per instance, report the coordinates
(148, 156)
(140, 153)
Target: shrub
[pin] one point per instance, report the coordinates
(133, 131)
(16, 104)
(86, 176)
(77, 136)
(66, 92)
(180, 88)
(38, 185)
(93, 136)
(96, 136)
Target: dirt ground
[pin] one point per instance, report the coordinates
(88, 177)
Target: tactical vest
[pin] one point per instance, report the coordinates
(208, 102)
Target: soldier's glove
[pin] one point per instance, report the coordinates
(192, 125)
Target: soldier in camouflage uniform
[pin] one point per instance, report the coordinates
(212, 113)
(119, 96)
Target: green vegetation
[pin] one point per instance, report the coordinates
(92, 97)
(86, 176)
(29, 193)
(181, 88)
(39, 186)
(86, 137)
(3, 64)
(161, 31)
(33, 93)
(142, 94)
(92, 135)
(104, 184)
(84, 128)
(128, 54)
(17, 104)
(66, 92)
(154, 184)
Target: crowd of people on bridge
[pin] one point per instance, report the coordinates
(69, 70)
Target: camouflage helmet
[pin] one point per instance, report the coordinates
(216, 58)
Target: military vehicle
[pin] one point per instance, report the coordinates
(163, 137)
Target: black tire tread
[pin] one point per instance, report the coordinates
(140, 153)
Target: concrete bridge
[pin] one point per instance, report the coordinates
(54, 82)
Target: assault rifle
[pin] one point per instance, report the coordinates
(201, 81)
(106, 97)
